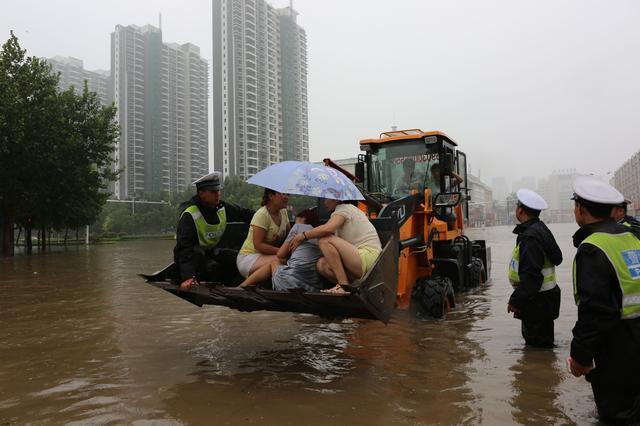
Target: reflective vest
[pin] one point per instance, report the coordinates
(623, 251)
(548, 271)
(208, 235)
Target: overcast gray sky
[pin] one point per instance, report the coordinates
(523, 87)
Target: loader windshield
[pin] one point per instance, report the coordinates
(397, 169)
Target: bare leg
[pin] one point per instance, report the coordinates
(274, 266)
(259, 275)
(343, 260)
(323, 269)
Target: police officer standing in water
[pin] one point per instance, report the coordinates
(202, 223)
(536, 296)
(619, 214)
(606, 283)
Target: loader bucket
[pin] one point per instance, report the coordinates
(372, 297)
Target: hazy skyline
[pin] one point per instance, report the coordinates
(524, 88)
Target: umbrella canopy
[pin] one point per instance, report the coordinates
(304, 178)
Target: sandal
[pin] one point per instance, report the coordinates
(337, 289)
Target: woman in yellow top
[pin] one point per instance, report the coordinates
(269, 227)
(348, 241)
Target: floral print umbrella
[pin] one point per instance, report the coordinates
(304, 178)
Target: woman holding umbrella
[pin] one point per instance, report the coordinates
(348, 241)
(269, 226)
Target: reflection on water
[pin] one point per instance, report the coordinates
(83, 340)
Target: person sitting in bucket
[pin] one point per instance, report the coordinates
(349, 243)
(293, 269)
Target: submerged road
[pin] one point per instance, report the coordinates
(85, 341)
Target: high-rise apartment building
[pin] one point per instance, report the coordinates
(72, 73)
(259, 87)
(161, 92)
(293, 66)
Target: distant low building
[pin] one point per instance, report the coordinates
(627, 180)
(557, 191)
(500, 188)
(481, 210)
(528, 182)
(349, 164)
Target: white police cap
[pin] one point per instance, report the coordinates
(210, 181)
(531, 199)
(595, 190)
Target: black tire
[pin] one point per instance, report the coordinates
(477, 274)
(432, 297)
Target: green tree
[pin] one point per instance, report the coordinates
(239, 192)
(55, 148)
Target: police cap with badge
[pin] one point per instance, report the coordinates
(592, 190)
(531, 200)
(211, 182)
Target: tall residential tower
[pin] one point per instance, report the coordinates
(161, 92)
(72, 73)
(259, 87)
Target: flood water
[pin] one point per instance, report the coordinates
(83, 340)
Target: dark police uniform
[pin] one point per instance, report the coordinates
(630, 221)
(537, 294)
(600, 335)
(194, 261)
(606, 281)
(200, 229)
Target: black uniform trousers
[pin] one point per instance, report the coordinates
(538, 317)
(616, 379)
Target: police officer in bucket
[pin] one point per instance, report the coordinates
(202, 223)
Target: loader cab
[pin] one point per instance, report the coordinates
(405, 162)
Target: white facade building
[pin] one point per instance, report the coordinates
(259, 87)
(627, 180)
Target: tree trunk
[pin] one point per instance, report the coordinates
(27, 239)
(66, 234)
(7, 232)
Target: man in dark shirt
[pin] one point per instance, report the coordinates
(606, 336)
(202, 223)
(536, 296)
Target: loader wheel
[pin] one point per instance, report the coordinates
(477, 275)
(432, 297)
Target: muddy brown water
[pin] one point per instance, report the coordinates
(85, 341)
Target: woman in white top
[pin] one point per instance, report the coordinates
(269, 227)
(348, 241)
